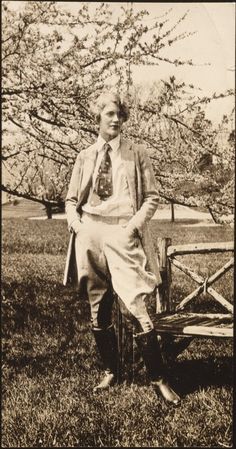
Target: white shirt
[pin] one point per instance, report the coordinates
(119, 203)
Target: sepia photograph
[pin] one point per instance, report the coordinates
(118, 183)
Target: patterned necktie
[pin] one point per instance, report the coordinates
(103, 185)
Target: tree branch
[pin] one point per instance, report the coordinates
(30, 197)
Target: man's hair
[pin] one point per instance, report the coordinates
(107, 97)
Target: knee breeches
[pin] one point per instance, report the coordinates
(108, 258)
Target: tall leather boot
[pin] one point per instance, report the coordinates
(151, 353)
(106, 342)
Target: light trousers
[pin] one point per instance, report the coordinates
(108, 259)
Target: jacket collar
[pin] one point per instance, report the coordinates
(114, 143)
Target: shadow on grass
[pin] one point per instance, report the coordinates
(40, 364)
(65, 357)
(44, 364)
(46, 332)
(190, 375)
(186, 376)
(46, 329)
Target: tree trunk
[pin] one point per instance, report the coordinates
(212, 215)
(49, 210)
(172, 212)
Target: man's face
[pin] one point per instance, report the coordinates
(110, 121)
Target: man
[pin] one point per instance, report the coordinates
(112, 195)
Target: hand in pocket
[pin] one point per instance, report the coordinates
(76, 226)
(132, 234)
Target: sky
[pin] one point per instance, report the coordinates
(212, 44)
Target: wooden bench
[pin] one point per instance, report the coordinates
(175, 321)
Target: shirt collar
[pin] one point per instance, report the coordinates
(114, 143)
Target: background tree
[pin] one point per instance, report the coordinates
(193, 165)
(55, 63)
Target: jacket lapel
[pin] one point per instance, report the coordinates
(128, 158)
(88, 169)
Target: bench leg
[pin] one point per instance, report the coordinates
(119, 325)
(126, 348)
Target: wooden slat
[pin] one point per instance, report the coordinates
(220, 299)
(200, 280)
(218, 274)
(208, 331)
(200, 248)
(189, 298)
(221, 317)
(186, 318)
(186, 270)
(212, 292)
(201, 331)
(218, 325)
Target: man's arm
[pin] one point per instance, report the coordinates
(149, 192)
(71, 201)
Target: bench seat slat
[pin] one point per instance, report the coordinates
(217, 325)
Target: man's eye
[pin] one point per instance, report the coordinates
(112, 114)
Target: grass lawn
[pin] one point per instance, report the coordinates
(23, 209)
(50, 364)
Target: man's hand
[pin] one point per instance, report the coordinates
(76, 225)
(131, 231)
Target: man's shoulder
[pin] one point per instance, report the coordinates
(90, 148)
(131, 145)
(85, 152)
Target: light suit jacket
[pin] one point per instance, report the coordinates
(143, 192)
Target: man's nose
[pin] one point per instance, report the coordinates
(116, 117)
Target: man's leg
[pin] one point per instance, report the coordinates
(126, 261)
(104, 332)
(107, 346)
(150, 349)
(94, 276)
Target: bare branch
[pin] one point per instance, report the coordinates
(28, 196)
